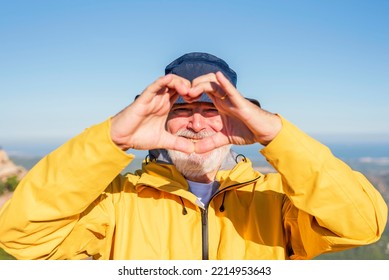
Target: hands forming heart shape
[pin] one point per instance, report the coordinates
(142, 125)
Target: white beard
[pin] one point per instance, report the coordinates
(197, 165)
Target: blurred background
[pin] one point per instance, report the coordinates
(324, 65)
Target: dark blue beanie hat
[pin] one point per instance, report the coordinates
(195, 64)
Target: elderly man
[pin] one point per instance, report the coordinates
(193, 198)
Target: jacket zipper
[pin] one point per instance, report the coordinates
(204, 221)
(204, 233)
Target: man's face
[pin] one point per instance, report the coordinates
(196, 117)
(196, 121)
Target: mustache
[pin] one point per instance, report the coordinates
(194, 135)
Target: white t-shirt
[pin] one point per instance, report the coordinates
(203, 191)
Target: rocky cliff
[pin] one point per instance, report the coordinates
(8, 168)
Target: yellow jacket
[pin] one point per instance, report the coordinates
(63, 208)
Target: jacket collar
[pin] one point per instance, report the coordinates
(160, 173)
(162, 156)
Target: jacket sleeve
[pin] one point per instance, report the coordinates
(329, 207)
(50, 200)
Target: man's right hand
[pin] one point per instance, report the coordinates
(141, 125)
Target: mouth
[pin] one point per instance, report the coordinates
(194, 137)
(193, 140)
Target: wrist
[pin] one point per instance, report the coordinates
(270, 130)
(117, 137)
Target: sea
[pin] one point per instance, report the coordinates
(342, 150)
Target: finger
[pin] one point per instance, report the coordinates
(209, 87)
(210, 143)
(226, 86)
(205, 83)
(159, 84)
(210, 77)
(215, 83)
(180, 144)
(167, 84)
(179, 84)
(233, 98)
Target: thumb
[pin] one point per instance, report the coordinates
(208, 144)
(180, 144)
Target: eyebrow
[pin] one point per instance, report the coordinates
(186, 105)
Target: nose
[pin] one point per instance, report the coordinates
(198, 122)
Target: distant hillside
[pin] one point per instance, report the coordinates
(9, 169)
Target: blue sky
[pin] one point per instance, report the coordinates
(66, 65)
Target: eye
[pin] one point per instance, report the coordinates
(210, 112)
(182, 111)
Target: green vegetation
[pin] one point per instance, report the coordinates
(375, 251)
(9, 185)
(5, 256)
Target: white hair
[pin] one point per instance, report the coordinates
(196, 165)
